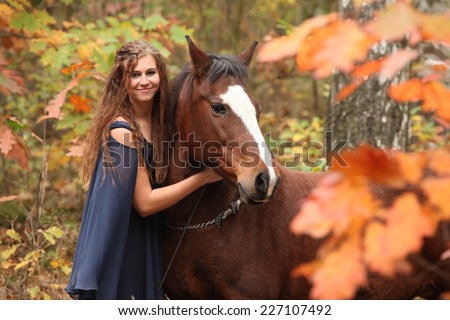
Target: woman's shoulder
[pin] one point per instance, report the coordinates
(121, 132)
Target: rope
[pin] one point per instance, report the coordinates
(181, 239)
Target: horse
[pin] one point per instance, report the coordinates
(235, 238)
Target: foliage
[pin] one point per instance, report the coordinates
(363, 233)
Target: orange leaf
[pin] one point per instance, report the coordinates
(336, 46)
(437, 97)
(287, 46)
(387, 245)
(439, 160)
(81, 105)
(366, 162)
(435, 28)
(411, 165)
(437, 191)
(332, 206)
(394, 22)
(348, 90)
(368, 68)
(341, 273)
(408, 91)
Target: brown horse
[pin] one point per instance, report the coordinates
(246, 253)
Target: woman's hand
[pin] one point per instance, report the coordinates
(209, 175)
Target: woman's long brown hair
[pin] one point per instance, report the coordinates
(115, 102)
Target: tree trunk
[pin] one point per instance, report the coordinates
(369, 115)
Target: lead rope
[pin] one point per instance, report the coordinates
(181, 239)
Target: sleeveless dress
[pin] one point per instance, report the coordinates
(119, 253)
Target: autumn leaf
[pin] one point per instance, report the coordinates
(435, 28)
(412, 165)
(287, 46)
(404, 225)
(437, 191)
(348, 90)
(407, 91)
(8, 198)
(75, 151)
(394, 22)
(7, 139)
(332, 206)
(436, 98)
(439, 160)
(53, 109)
(337, 46)
(81, 104)
(341, 273)
(366, 162)
(396, 61)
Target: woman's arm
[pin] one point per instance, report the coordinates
(148, 201)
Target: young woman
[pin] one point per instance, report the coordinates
(118, 253)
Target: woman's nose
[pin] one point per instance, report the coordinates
(145, 80)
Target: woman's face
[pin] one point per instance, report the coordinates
(144, 82)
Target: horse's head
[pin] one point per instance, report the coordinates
(217, 116)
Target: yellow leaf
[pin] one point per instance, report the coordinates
(13, 234)
(9, 252)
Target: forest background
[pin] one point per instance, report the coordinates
(54, 57)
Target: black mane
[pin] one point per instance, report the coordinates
(222, 65)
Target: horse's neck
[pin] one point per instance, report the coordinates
(213, 199)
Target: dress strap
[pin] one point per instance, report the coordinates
(120, 124)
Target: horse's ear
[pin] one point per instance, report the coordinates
(200, 60)
(247, 54)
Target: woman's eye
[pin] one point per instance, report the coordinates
(218, 108)
(150, 73)
(135, 75)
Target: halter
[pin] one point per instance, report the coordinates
(234, 208)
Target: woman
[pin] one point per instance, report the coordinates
(118, 254)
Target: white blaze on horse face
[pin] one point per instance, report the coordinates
(240, 103)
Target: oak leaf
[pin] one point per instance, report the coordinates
(338, 46)
(80, 104)
(394, 22)
(396, 61)
(400, 233)
(435, 28)
(376, 165)
(407, 91)
(341, 273)
(287, 46)
(436, 97)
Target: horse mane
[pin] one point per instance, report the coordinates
(222, 65)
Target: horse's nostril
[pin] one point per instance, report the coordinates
(262, 182)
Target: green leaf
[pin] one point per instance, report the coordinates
(150, 23)
(66, 270)
(34, 292)
(44, 18)
(178, 33)
(48, 57)
(49, 237)
(5, 254)
(13, 234)
(55, 231)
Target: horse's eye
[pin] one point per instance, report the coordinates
(218, 108)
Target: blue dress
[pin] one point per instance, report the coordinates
(119, 253)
